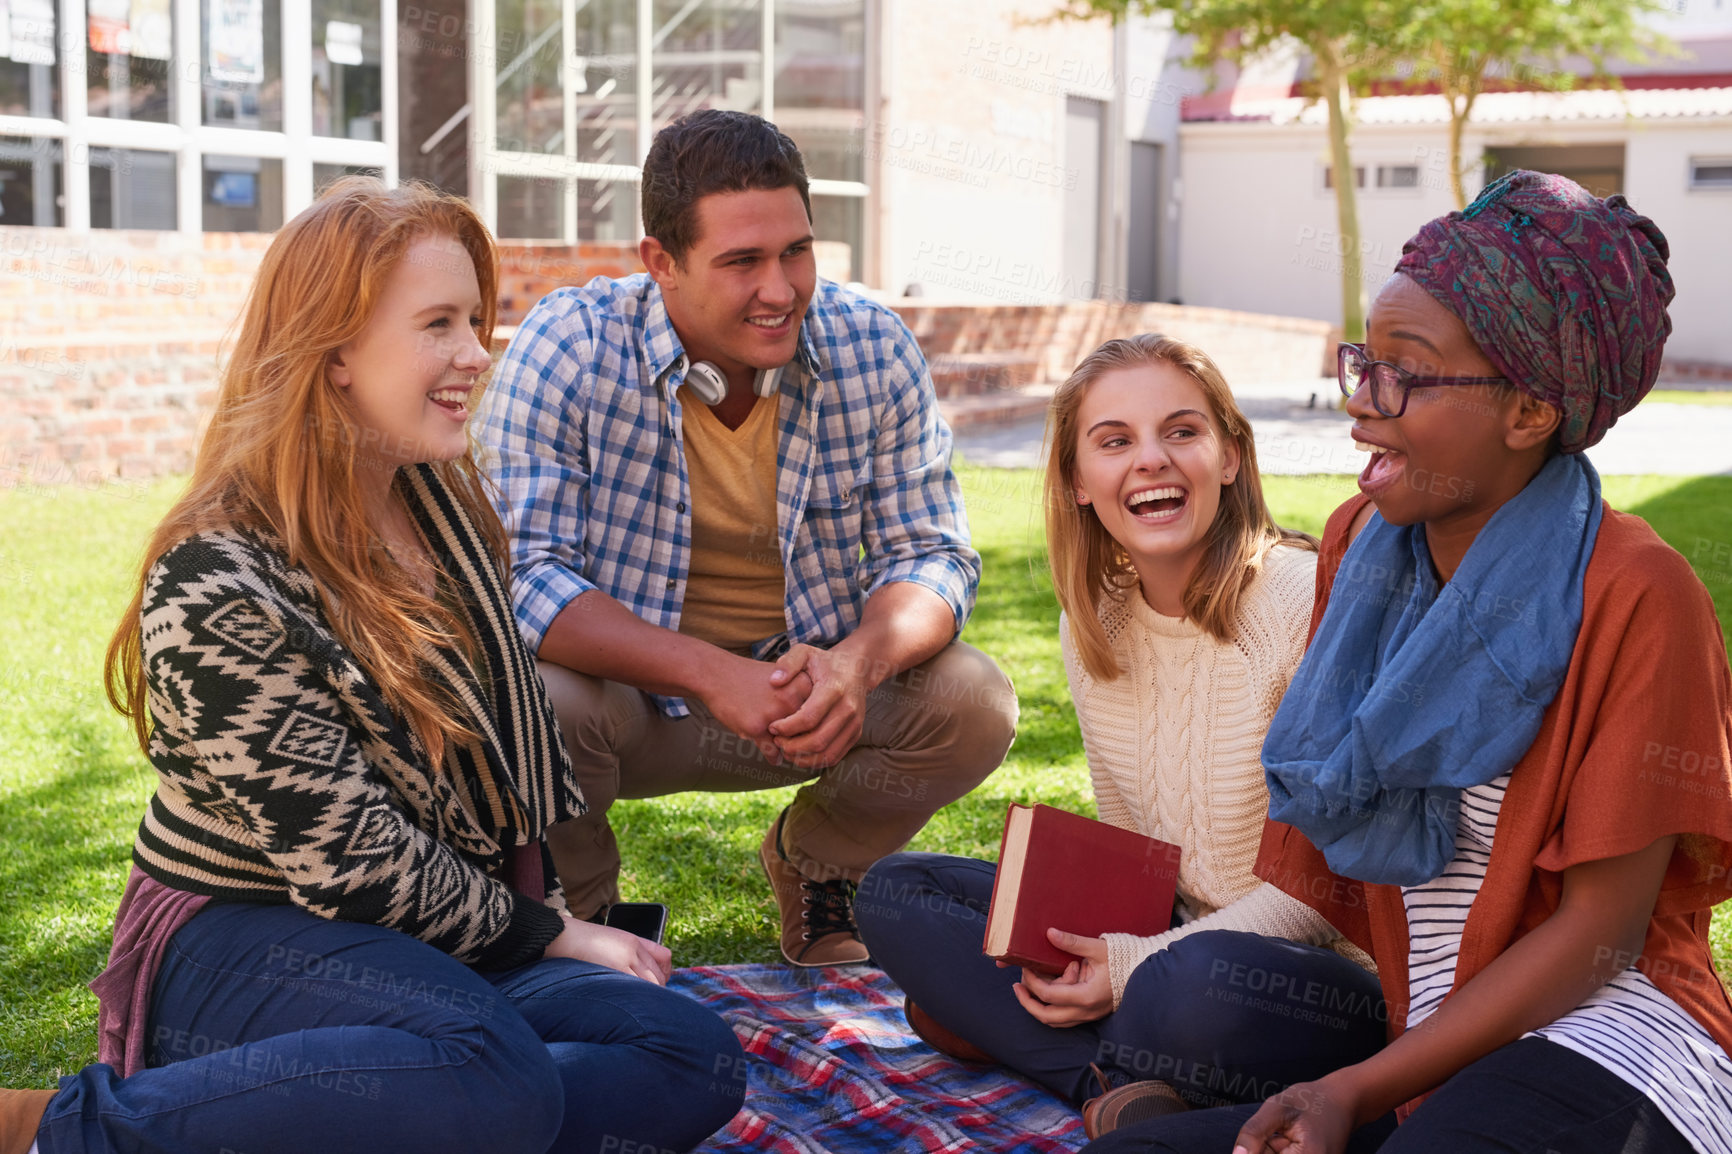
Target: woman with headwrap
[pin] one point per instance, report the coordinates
(1502, 764)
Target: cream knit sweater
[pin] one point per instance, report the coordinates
(1174, 748)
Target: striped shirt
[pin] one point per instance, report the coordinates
(581, 425)
(1627, 1026)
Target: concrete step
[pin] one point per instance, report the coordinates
(998, 407)
(1694, 375)
(966, 374)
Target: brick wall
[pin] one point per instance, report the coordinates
(110, 341)
(1689, 373)
(57, 285)
(1246, 346)
(528, 272)
(85, 413)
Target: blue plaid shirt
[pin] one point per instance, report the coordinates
(581, 425)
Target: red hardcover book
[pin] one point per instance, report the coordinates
(1079, 875)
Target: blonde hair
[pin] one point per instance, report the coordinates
(1088, 564)
(282, 449)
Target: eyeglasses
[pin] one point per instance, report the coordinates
(1390, 383)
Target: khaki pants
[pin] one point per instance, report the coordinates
(930, 735)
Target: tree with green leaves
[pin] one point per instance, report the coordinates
(1350, 42)
(1464, 45)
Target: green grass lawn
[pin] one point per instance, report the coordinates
(72, 785)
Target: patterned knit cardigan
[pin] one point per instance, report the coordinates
(283, 775)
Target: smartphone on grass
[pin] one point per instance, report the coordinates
(645, 919)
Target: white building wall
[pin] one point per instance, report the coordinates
(969, 150)
(1157, 81)
(1698, 226)
(1258, 232)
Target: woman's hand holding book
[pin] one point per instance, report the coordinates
(1082, 993)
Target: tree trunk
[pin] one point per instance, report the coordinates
(1461, 94)
(1457, 121)
(1332, 78)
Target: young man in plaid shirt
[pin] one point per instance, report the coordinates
(738, 546)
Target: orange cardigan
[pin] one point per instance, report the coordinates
(1634, 748)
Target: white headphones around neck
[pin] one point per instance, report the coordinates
(709, 385)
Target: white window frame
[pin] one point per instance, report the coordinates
(1414, 189)
(1368, 186)
(487, 163)
(188, 139)
(1692, 184)
(1325, 171)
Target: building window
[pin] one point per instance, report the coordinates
(1329, 177)
(530, 109)
(604, 83)
(128, 60)
(820, 88)
(562, 158)
(838, 223)
(819, 93)
(146, 153)
(30, 175)
(348, 91)
(242, 194)
(1398, 176)
(706, 54)
(1383, 178)
(324, 174)
(530, 207)
(242, 67)
(607, 210)
(131, 188)
(434, 108)
(30, 65)
(1710, 172)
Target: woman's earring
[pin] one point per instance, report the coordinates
(1082, 499)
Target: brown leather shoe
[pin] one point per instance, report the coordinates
(817, 917)
(946, 1042)
(1132, 1102)
(20, 1117)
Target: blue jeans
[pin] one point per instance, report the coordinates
(272, 1030)
(1223, 1017)
(1532, 1096)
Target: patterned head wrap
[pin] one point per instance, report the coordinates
(1565, 293)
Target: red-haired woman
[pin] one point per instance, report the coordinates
(335, 935)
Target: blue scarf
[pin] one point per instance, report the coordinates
(1411, 693)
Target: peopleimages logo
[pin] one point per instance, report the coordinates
(969, 156)
(55, 362)
(984, 271)
(1039, 70)
(88, 269)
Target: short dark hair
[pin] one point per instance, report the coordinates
(713, 150)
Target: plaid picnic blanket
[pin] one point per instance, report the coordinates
(832, 1068)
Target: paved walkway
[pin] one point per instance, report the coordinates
(1674, 440)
